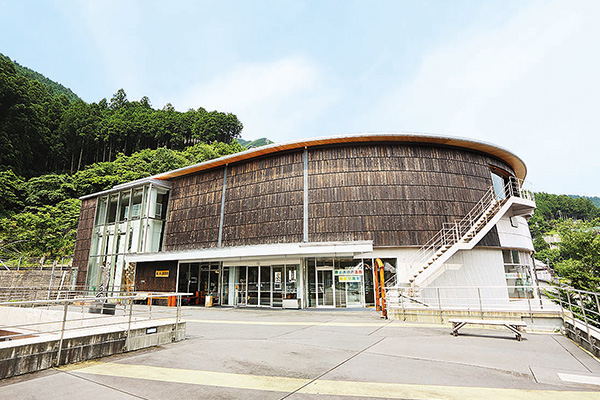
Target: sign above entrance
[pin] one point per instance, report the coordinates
(348, 272)
(349, 278)
(161, 274)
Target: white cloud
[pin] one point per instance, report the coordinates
(271, 99)
(530, 85)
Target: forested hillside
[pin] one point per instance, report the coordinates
(55, 88)
(42, 130)
(576, 220)
(594, 199)
(254, 143)
(54, 148)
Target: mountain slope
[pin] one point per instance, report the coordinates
(55, 88)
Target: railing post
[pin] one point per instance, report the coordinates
(597, 306)
(480, 304)
(178, 317)
(129, 323)
(587, 327)
(62, 333)
(402, 304)
(440, 305)
(530, 311)
(572, 315)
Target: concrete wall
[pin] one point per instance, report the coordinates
(37, 355)
(474, 268)
(514, 234)
(35, 278)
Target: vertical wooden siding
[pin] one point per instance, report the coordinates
(264, 201)
(194, 211)
(85, 229)
(146, 280)
(392, 194)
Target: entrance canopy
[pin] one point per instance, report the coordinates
(246, 253)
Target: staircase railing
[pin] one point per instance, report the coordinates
(463, 230)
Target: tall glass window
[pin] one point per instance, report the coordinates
(129, 221)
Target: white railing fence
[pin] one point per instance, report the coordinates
(465, 229)
(80, 313)
(578, 309)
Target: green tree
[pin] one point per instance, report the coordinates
(11, 193)
(579, 263)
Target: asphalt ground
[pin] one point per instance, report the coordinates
(337, 354)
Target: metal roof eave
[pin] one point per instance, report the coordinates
(130, 185)
(510, 158)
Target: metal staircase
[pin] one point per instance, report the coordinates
(428, 262)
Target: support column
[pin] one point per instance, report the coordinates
(220, 241)
(305, 216)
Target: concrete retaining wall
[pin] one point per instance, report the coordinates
(578, 333)
(42, 354)
(536, 321)
(32, 279)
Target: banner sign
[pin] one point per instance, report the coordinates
(348, 272)
(349, 278)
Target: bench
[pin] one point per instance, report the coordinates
(514, 326)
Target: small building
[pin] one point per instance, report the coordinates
(301, 224)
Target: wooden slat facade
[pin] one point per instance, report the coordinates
(264, 201)
(83, 242)
(393, 194)
(194, 211)
(396, 194)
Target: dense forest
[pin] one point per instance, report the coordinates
(576, 220)
(54, 148)
(46, 128)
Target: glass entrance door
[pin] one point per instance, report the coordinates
(354, 294)
(265, 286)
(253, 286)
(277, 285)
(325, 288)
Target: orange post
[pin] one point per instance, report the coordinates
(377, 307)
(380, 287)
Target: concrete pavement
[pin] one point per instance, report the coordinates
(276, 354)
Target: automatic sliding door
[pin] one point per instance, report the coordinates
(253, 284)
(325, 290)
(277, 286)
(265, 286)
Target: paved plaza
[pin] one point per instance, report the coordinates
(291, 354)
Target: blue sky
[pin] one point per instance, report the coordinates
(520, 74)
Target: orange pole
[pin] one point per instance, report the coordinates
(379, 282)
(376, 289)
(383, 305)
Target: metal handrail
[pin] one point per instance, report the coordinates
(456, 232)
(78, 318)
(578, 309)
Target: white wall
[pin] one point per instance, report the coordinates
(477, 268)
(512, 237)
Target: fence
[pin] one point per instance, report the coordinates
(56, 332)
(579, 310)
(41, 263)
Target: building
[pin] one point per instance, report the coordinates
(300, 224)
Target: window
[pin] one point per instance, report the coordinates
(516, 271)
(122, 227)
(498, 183)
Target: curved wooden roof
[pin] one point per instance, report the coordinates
(415, 138)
